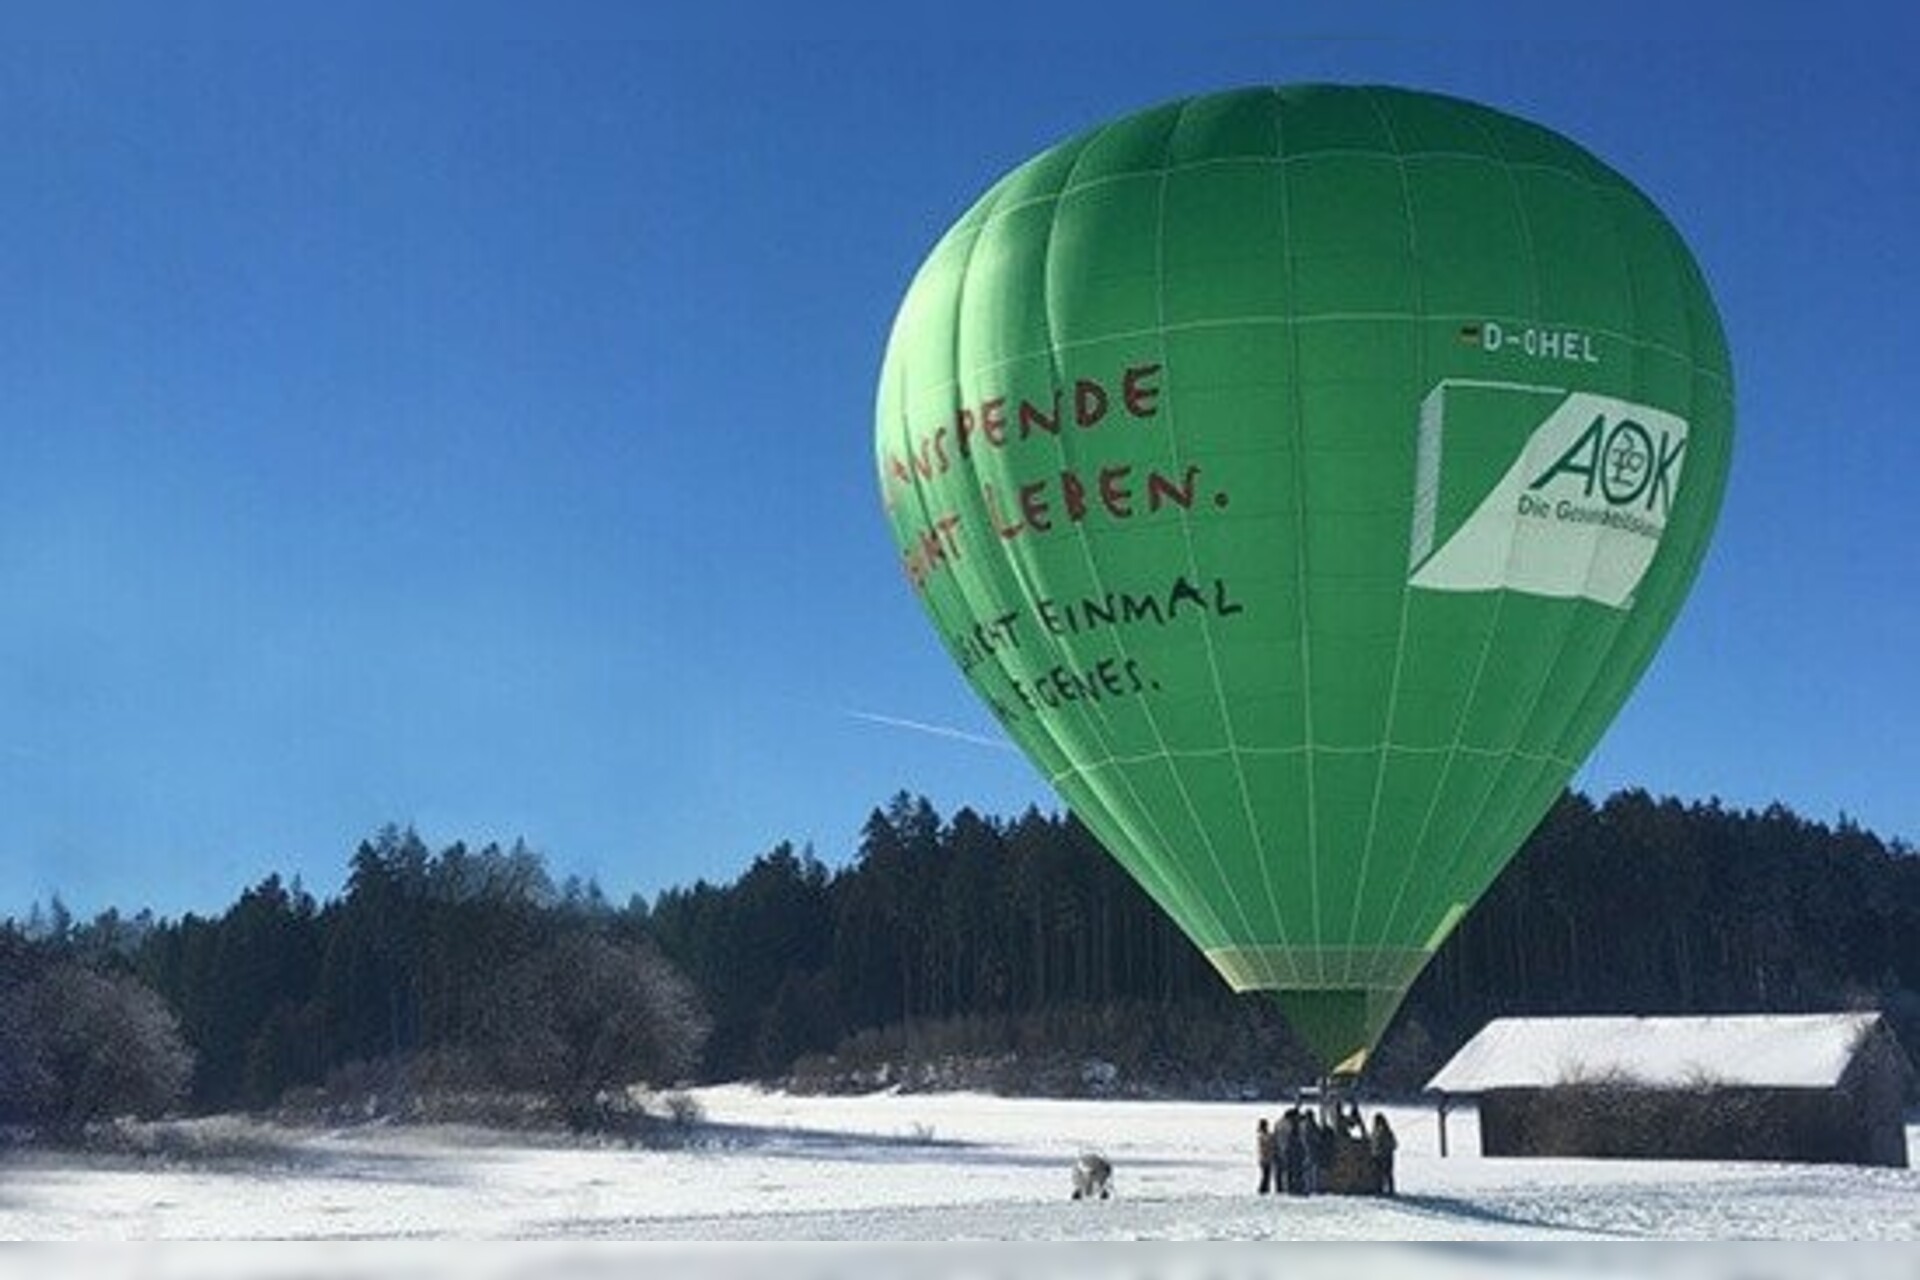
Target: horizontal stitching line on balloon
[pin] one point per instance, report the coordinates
(1210, 753)
(1330, 317)
(1338, 153)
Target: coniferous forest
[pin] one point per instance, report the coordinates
(958, 950)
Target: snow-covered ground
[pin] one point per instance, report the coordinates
(904, 1168)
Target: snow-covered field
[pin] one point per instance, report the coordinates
(768, 1167)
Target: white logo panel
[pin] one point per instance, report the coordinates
(1578, 514)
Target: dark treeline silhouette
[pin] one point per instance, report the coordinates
(982, 936)
(969, 939)
(464, 970)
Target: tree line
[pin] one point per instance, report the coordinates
(1013, 947)
(464, 971)
(979, 936)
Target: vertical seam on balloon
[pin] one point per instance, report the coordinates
(970, 474)
(1627, 255)
(1625, 622)
(1206, 629)
(1438, 878)
(1301, 582)
(1476, 866)
(1595, 693)
(1144, 865)
(918, 488)
(1684, 576)
(1406, 590)
(1151, 852)
(1483, 869)
(970, 492)
(1160, 311)
(1696, 278)
(973, 487)
(1270, 954)
(1463, 861)
(1235, 758)
(1460, 856)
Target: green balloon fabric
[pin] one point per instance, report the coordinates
(1304, 477)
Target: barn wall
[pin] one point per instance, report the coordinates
(1620, 1121)
(1879, 1081)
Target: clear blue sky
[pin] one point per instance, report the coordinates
(479, 437)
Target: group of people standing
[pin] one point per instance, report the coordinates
(1304, 1154)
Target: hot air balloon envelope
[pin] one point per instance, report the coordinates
(1304, 477)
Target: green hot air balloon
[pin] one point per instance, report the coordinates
(1304, 477)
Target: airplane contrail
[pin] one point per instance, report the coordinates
(937, 730)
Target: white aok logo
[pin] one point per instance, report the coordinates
(1622, 460)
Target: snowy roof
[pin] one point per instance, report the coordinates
(1808, 1051)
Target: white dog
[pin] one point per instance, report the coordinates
(1092, 1176)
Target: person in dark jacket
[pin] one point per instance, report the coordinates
(1267, 1151)
(1293, 1153)
(1315, 1149)
(1381, 1145)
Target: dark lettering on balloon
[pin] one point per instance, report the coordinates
(1012, 506)
(1033, 418)
(1033, 507)
(1140, 396)
(1063, 685)
(1073, 497)
(1182, 597)
(993, 420)
(935, 547)
(1117, 492)
(1163, 491)
(984, 639)
(1000, 420)
(1089, 402)
(1085, 682)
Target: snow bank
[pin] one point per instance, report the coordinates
(770, 1170)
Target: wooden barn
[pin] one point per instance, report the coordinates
(1818, 1088)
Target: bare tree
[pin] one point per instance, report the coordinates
(81, 1046)
(23, 1074)
(586, 1016)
